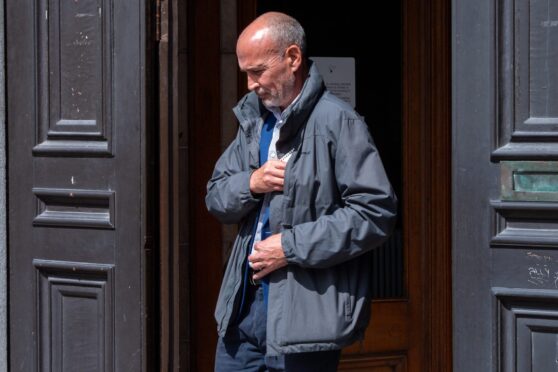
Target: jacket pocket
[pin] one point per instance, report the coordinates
(315, 310)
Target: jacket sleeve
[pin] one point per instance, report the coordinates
(368, 211)
(228, 191)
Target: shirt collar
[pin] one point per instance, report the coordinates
(279, 115)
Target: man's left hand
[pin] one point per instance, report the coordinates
(268, 256)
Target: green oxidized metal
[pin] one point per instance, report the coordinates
(529, 180)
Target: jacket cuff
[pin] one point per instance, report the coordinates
(255, 196)
(243, 187)
(288, 244)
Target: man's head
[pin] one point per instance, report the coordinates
(272, 52)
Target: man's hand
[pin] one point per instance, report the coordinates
(269, 177)
(268, 256)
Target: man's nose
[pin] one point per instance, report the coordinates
(252, 83)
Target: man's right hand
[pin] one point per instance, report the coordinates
(269, 177)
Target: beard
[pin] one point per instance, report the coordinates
(281, 96)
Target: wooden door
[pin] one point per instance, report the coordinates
(403, 79)
(505, 182)
(79, 237)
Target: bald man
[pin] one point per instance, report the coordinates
(306, 184)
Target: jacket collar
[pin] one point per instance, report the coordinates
(250, 109)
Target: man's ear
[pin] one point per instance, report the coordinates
(294, 57)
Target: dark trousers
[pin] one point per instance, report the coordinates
(243, 348)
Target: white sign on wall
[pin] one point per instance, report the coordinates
(339, 76)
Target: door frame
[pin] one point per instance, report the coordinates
(426, 158)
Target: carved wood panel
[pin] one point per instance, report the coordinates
(75, 315)
(74, 65)
(527, 329)
(527, 79)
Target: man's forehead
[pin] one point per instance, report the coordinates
(252, 62)
(257, 50)
(259, 35)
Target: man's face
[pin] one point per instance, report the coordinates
(269, 73)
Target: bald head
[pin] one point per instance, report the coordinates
(270, 51)
(276, 31)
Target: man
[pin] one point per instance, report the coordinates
(305, 182)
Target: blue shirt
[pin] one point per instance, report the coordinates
(263, 214)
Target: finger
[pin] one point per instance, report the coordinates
(253, 259)
(258, 265)
(274, 178)
(277, 164)
(274, 173)
(258, 256)
(278, 178)
(277, 181)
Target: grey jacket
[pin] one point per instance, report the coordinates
(337, 205)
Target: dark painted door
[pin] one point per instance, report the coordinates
(505, 185)
(77, 211)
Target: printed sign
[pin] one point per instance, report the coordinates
(339, 76)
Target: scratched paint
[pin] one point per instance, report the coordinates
(542, 270)
(80, 61)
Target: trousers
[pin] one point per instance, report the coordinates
(244, 347)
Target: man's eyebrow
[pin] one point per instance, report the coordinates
(261, 66)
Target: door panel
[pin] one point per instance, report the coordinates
(77, 209)
(505, 185)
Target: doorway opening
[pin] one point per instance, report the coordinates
(375, 48)
(396, 50)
